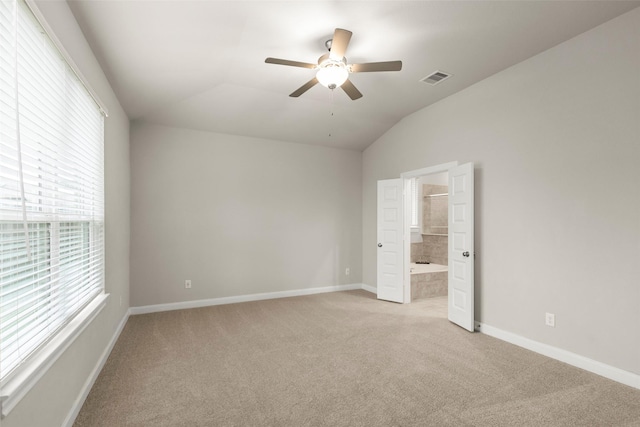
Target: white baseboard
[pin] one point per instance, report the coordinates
(369, 288)
(241, 298)
(86, 388)
(599, 368)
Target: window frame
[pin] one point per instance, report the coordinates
(415, 205)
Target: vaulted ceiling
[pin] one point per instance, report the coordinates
(200, 64)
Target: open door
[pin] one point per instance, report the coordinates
(390, 240)
(461, 253)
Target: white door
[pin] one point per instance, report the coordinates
(461, 255)
(390, 235)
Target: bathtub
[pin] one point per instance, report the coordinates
(428, 280)
(427, 268)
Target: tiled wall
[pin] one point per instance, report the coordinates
(433, 249)
(428, 285)
(434, 209)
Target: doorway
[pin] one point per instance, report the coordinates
(394, 217)
(407, 179)
(428, 253)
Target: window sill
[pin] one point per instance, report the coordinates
(34, 368)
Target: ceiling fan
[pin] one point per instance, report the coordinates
(333, 70)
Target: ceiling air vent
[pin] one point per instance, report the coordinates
(435, 77)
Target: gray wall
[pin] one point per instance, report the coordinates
(556, 144)
(51, 400)
(239, 215)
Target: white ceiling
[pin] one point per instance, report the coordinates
(200, 64)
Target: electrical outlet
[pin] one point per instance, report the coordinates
(550, 319)
(187, 284)
(347, 271)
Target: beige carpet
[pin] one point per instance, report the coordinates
(338, 359)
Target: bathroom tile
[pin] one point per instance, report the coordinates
(428, 285)
(434, 209)
(417, 250)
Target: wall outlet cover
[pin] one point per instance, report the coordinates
(550, 319)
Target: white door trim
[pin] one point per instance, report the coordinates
(406, 177)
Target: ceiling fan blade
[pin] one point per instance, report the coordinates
(376, 66)
(339, 43)
(290, 63)
(305, 87)
(351, 90)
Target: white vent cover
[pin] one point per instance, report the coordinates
(436, 77)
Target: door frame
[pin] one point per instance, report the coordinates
(406, 228)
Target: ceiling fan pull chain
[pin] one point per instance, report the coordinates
(331, 120)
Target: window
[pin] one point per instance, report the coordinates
(51, 192)
(415, 204)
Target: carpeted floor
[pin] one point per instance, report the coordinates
(338, 359)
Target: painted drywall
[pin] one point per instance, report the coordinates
(435, 179)
(53, 398)
(239, 215)
(556, 144)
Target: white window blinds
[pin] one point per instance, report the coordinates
(51, 189)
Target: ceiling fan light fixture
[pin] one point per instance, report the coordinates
(332, 74)
(333, 70)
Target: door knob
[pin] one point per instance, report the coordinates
(465, 253)
(379, 245)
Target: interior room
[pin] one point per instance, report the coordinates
(240, 280)
(429, 237)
